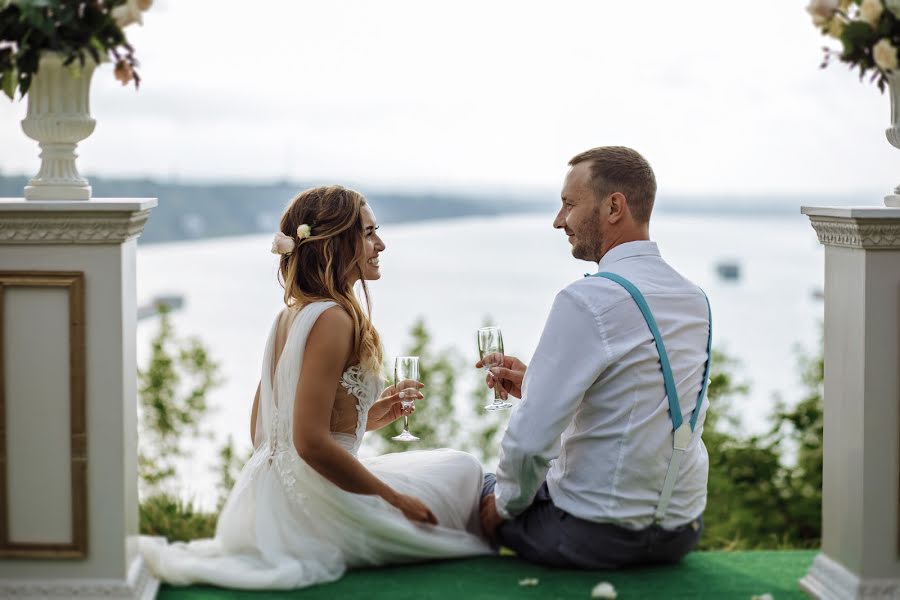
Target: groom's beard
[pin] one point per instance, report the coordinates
(589, 241)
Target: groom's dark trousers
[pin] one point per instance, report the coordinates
(548, 535)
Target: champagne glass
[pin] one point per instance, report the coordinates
(406, 373)
(490, 349)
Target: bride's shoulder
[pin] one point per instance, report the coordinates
(329, 318)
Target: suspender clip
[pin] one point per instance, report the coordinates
(683, 436)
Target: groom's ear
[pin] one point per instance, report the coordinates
(617, 207)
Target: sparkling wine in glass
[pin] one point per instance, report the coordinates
(490, 349)
(406, 375)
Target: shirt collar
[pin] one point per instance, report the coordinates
(628, 250)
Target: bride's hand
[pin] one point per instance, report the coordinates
(392, 391)
(388, 408)
(414, 509)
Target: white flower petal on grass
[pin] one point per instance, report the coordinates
(604, 590)
(763, 597)
(529, 582)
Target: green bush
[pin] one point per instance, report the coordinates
(756, 497)
(176, 520)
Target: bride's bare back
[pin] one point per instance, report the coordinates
(344, 413)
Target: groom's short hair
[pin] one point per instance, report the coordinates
(621, 169)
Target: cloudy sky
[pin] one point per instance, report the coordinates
(722, 97)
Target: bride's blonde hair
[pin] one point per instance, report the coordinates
(323, 265)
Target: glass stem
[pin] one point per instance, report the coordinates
(496, 384)
(405, 424)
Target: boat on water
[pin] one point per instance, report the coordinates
(728, 270)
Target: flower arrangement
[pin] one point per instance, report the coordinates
(74, 28)
(869, 31)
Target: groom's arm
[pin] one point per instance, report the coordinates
(570, 356)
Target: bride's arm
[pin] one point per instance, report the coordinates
(328, 349)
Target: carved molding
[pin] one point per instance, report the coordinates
(870, 234)
(141, 585)
(829, 580)
(71, 228)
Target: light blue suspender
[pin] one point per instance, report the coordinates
(682, 430)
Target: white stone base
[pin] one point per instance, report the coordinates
(141, 585)
(829, 580)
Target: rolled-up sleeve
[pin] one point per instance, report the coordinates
(570, 356)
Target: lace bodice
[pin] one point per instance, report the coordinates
(365, 389)
(279, 385)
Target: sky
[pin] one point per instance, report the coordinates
(721, 97)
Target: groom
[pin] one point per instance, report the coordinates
(602, 465)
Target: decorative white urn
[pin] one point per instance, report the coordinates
(893, 132)
(58, 118)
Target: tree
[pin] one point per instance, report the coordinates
(173, 401)
(757, 498)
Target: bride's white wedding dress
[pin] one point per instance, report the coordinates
(285, 526)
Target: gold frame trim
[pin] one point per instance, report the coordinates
(73, 281)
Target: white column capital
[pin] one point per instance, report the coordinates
(97, 221)
(872, 228)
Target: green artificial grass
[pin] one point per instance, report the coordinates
(701, 575)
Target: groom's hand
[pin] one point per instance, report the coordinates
(508, 376)
(490, 518)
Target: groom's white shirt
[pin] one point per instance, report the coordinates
(594, 409)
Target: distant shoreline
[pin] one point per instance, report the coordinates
(192, 211)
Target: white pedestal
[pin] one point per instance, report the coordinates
(860, 555)
(68, 464)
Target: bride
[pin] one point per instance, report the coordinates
(304, 507)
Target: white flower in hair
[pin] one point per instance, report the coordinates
(304, 231)
(282, 244)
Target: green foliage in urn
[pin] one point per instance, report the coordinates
(869, 32)
(77, 29)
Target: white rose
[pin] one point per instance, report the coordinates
(128, 13)
(885, 55)
(604, 590)
(282, 244)
(836, 28)
(303, 231)
(870, 11)
(821, 10)
(893, 6)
